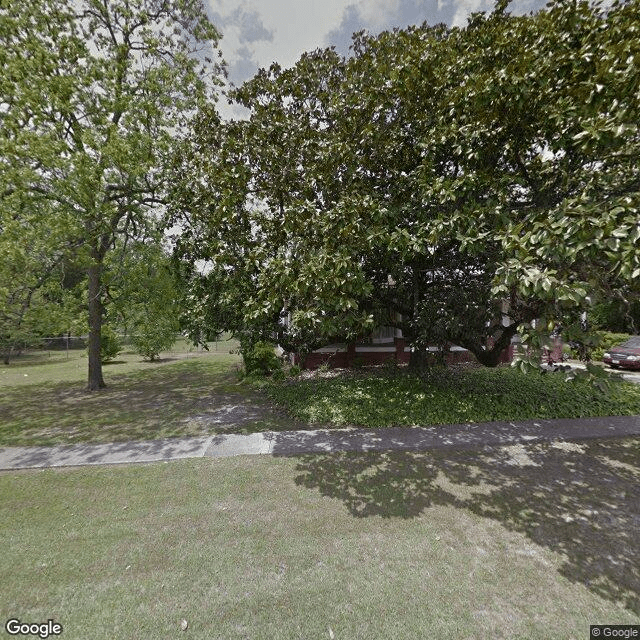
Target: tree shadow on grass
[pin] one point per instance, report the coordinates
(579, 500)
(188, 399)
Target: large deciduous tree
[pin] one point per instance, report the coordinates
(144, 297)
(446, 174)
(32, 272)
(93, 96)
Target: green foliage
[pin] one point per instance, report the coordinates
(95, 96)
(260, 358)
(294, 371)
(278, 374)
(598, 343)
(145, 295)
(153, 336)
(446, 175)
(478, 395)
(616, 316)
(110, 345)
(36, 297)
(606, 340)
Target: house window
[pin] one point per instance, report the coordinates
(383, 334)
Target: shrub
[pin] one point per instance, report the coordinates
(110, 346)
(260, 358)
(323, 367)
(390, 366)
(154, 336)
(607, 340)
(278, 374)
(294, 370)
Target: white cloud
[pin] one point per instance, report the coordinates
(296, 26)
(376, 13)
(259, 32)
(465, 7)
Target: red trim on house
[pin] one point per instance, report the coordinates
(345, 356)
(379, 354)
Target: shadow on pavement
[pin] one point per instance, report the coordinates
(580, 500)
(461, 436)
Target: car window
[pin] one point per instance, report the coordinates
(632, 342)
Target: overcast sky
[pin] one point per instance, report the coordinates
(259, 32)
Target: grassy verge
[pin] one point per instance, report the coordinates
(471, 395)
(352, 546)
(46, 367)
(44, 402)
(178, 396)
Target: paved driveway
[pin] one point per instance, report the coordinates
(629, 376)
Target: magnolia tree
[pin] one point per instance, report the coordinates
(435, 179)
(93, 97)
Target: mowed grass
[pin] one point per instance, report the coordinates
(43, 401)
(378, 399)
(52, 366)
(535, 544)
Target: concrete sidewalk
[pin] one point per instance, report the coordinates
(285, 443)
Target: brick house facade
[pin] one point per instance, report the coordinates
(379, 351)
(348, 354)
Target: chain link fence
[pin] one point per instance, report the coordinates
(72, 344)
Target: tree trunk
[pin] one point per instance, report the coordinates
(418, 360)
(95, 327)
(491, 357)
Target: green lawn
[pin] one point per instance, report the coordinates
(52, 366)
(378, 399)
(533, 544)
(526, 542)
(43, 399)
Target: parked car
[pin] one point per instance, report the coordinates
(625, 355)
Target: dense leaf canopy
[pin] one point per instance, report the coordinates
(433, 180)
(93, 97)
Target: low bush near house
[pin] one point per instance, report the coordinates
(260, 358)
(294, 371)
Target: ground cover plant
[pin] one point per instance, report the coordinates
(380, 399)
(505, 543)
(195, 393)
(42, 399)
